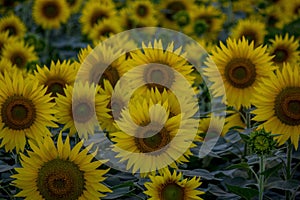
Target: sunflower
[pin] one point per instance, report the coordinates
(275, 16)
(104, 62)
(234, 120)
(206, 23)
(19, 54)
(252, 30)
(26, 111)
(83, 53)
(150, 139)
(14, 25)
(118, 100)
(5, 39)
(196, 53)
(176, 104)
(212, 127)
(154, 66)
(57, 76)
(50, 14)
(81, 109)
(173, 186)
(74, 5)
(170, 8)
(242, 67)
(94, 12)
(277, 103)
(142, 11)
(105, 29)
(6, 65)
(284, 49)
(292, 9)
(58, 172)
(127, 22)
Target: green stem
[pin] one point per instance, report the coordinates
(248, 125)
(261, 177)
(47, 43)
(289, 166)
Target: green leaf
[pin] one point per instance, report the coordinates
(242, 165)
(269, 172)
(290, 185)
(246, 193)
(244, 136)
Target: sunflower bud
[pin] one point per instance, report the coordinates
(261, 142)
(182, 18)
(200, 27)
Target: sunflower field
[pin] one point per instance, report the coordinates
(149, 99)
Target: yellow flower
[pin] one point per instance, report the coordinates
(277, 102)
(58, 172)
(127, 22)
(106, 28)
(154, 66)
(116, 105)
(81, 109)
(151, 139)
(94, 12)
(6, 65)
(212, 127)
(142, 11)
(50, 14)
(284, 49)
(104, 62)
(74, 5)
(57, 76)
(26, 111)
(169, 9)
(173, 187)
(206, 23)
(5, 40)
(252, 30)
(19, 54)
(242, 67)
(14, 25)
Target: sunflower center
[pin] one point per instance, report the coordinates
(172, 191)
(111, 74)
(83, 111)
(172, 8)
(156, 140)
(60, 180)
(182, 18)
(18, 113)
(12, 30)
(51, 10)
(55, 86)
(106, 31)
(18, 59)
(71, 2)
(240, 73)
(261, 143)
(142, 10)
(200, 27)
(159, 76)
(287, 106)
(250, 36)
(281, 55)
(98, 16)
(116, 106)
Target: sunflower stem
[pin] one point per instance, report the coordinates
(289, 166)
(261, 177)
(47, 42)
(248, 125)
